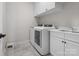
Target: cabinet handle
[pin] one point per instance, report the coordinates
(65, 42)
(62, 41)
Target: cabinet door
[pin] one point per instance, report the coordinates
(50, 5)
(41, 7)
(56, 46)
(37, 8)
(45, 6)
(71, 49)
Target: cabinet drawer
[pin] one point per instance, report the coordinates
(57, 34)
(72, 36)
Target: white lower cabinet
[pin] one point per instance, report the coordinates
(63, 47)
(71, 49)
(57, 47)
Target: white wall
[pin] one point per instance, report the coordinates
(19, 20)
(70, 12)
(1, 17)
(2, 27)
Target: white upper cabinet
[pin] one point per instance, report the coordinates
(43, 8)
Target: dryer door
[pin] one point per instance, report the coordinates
(38, 38)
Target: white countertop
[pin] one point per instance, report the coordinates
(53, 29)
(44, 28)
(57, 30)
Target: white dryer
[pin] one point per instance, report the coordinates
(40, 39)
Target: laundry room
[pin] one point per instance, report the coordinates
(39, 28)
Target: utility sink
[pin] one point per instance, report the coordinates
(69, 31)
(66, 30)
